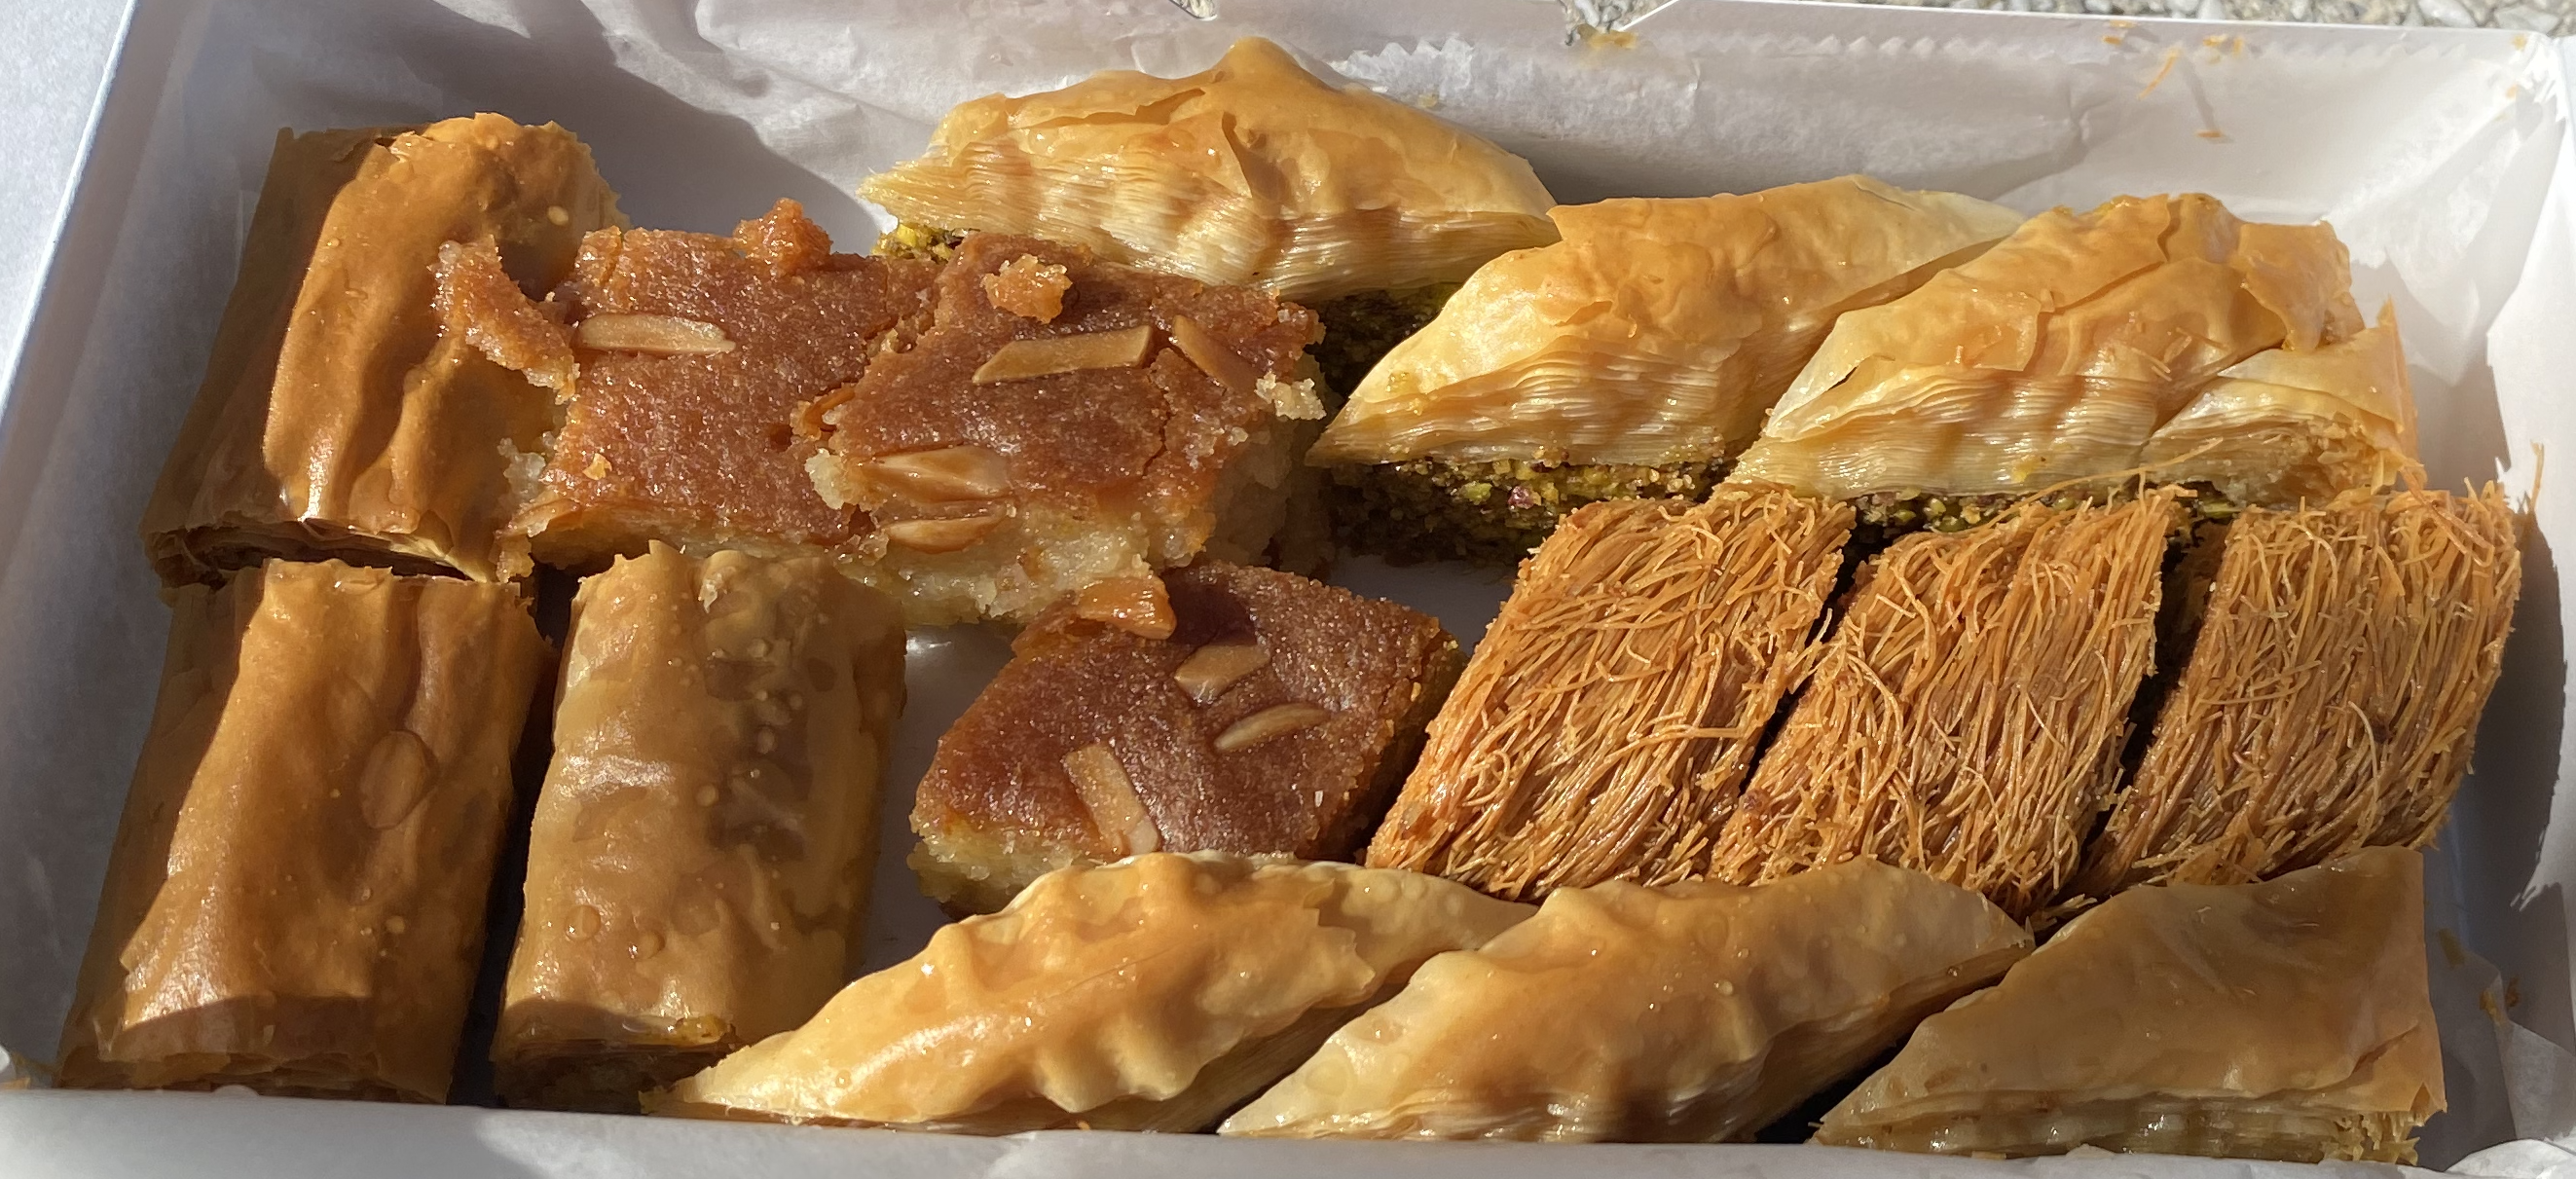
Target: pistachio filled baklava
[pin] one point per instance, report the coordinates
(1694, 1012)
(1634, 357)
(698, 870)
(2286, 1020)
(336, 419)
(1609, 718)
(1151, 994)
(1218, 708)
(295, 899)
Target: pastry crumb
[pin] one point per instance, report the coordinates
(1029, 287)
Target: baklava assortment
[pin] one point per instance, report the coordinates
(2014, 643)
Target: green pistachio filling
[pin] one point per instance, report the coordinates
(1487, 512)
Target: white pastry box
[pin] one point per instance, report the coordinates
(2441, 156)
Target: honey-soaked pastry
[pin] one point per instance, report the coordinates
(681, 362)
(1967, 717)
(1152, 994)
(336, 419)
(2333, 692)
(2282, 427)
(1608, 719)
(1693, 1012)
(2287, 1020)
(295, 899)
(1256, 712)
(1253, 172)
(698, 870)
(2053, 356)
(1065, 421)
(1634, 357)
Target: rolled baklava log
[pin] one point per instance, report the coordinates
(295, 898)
(2332, 695)
(336, 419)
(1605, 725)
(698, 872)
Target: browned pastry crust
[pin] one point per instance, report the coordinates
(335, 419)
(1009, 460)
(695, 353)
(295, 899)
(1610, 716)
(2332, 694)
(698, 869)
(1277, 717)
(1967, 717)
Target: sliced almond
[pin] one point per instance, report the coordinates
(1211, 669)
(1110, 796)
(1138, 605)
(946, 475)
(1046, 356)
(659, 335)
(1212, 356)
(1278, 720)
(941, 535)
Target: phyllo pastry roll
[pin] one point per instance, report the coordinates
(1633, 357)
(2288, 1020)
(1064, 421)
(1694, 1012)
(295, 899)
(698, 870)
(2332, 694)
(2052, 357)
(2283, 427)
(1251, 172)
(1967, 717)
(336, 419)
(1152, 994)
(1249, 711)
(679, 360)
(1606, 723)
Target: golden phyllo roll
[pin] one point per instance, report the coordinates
(2285, 426)
(698, 870)
(336, 418)
(295, 899)
(1253, 172)
(1608, 719)
(2286, 1020)
(1155, 993)
(2344, 655)
(1695, 1012)
(1967, 717)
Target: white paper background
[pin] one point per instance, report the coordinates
(2430, 150)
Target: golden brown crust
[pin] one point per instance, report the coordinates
(335, 418)
(2287, 427)
(295, 900)
(2332, 695)
(698, 869)
(1609, 717)
(1001, 804)
(1967, 717)
(2286, 1020)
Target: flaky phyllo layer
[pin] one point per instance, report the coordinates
(2152, 332)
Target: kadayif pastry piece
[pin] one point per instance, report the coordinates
(336, 420)
(1693, 1012)
(1967, 717)
(2053, 356)
(1277, 715)
(1634, 357)
(1608, 719)
(1151, 994)
(1065, 421)
(698, 869)
(295, 899)
(1253, 172)
(2332, 693)
(680, 362)
(2285, 1020)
